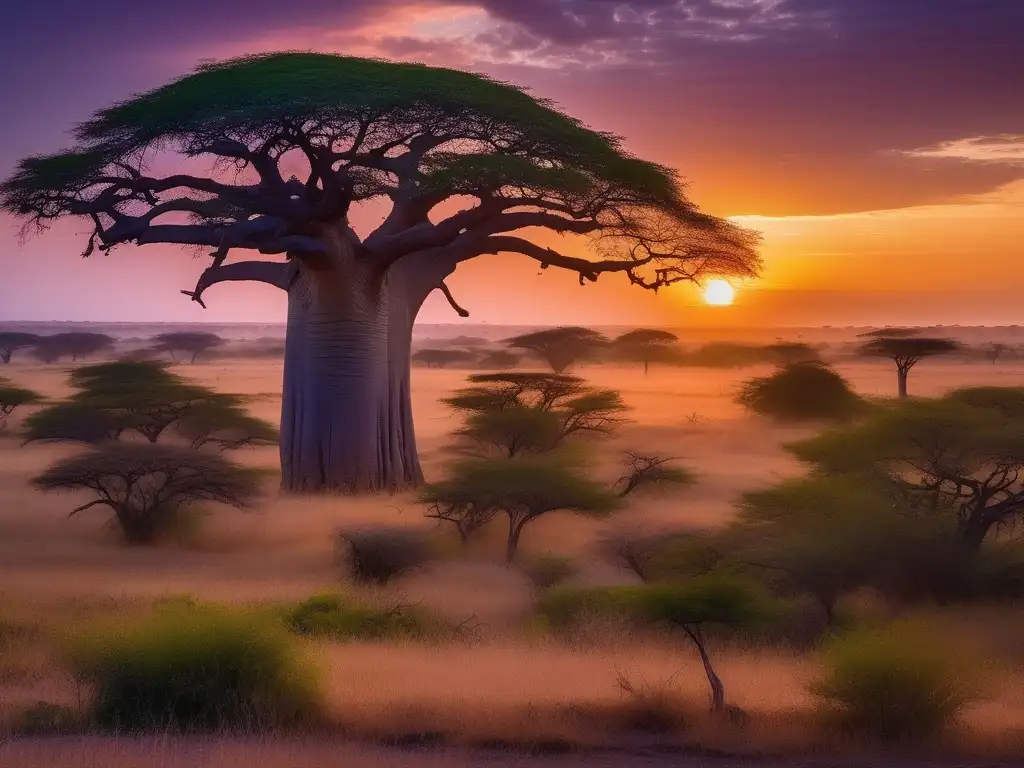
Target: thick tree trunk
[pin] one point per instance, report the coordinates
(901, 380)
(346, 420)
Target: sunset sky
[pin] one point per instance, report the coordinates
(877, 144)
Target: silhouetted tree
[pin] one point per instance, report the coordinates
(523, 489)
(560, 347)
(801, 391)
(906, 351)
(442, 358)
(147, 486)
(12, 397)
(995, 351)
(193, 343)
(499, 359)
(791, 352)
(12, 341)
(645, 345)
(366, 130)
(74, 344)
(644, 471)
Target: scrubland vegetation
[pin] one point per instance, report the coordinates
(598, 558)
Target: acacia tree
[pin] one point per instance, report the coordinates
(147, 486)
(195, 343)
(295, 140)
(12, 397)
(440, 358)
(645, 345)
(962, 455)
(73, 344)
(12, 341)
(906, 350)
(560, 347)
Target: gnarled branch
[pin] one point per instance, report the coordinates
(279, 274)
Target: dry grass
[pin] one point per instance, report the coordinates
(58, 572)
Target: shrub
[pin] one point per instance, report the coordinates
(546, 571)
(801, 391)
(199, 669)
(333, 617)
(892, 685)
(378, 555)
(12, 397)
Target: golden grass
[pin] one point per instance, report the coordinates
(58, 572)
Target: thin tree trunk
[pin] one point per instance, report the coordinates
(5, 355)
(515, 530)
(717, 687)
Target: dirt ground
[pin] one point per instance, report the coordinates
(62, 567)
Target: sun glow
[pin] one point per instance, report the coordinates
(719, 293)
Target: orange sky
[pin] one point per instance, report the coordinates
(877, 146)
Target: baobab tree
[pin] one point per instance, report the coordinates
(294, 141)
(906, 350)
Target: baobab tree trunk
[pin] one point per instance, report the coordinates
(346, 419)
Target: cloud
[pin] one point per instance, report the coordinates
(1005, 149)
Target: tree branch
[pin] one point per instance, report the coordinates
(279, 274)
(451, 300)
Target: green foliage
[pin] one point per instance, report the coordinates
(522, 489)
(379, 554)
(195, 670)
(893, 685)
(801, 391)
(710, 599)
(643, 472)
(148, 487)
(333, 617)
(514, 413)
(12, 397)
(252, 95)
(143, 397)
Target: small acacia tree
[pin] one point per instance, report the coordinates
(962, 454)
(533, 412)
(143, 397)
(499, 359)
(442, 358)
(560, 347)
(74, 344)
(365, 131)
(792, 352)
(12, 341)
(522, 490)
(645, 345)
(193, 343)
(148, 486)
(12, 397)
(906, 350)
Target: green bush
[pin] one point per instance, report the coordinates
(562, 607)
(801, 391)
(195, 669)
(378, 555)
(334, 618)
(892, 685)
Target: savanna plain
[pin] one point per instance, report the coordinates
(499, 685)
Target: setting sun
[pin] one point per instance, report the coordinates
(719, 293)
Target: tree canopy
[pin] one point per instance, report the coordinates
(963, 454)
(560, 347)
(360, 129)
